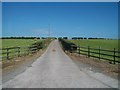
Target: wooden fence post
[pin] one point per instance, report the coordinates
(114, 55)
(88, 51)
(79, 50)
(7, 53)
(27, 50)
(18, 51)
(99, 53)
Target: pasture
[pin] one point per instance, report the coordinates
(103, 44)
(104, 49)
(6, 43)
(12, 52)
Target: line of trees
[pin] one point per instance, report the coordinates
(20, 37)
(62, 37)
(79, 38)
(28, 37)
(73, 38)
(48, 38)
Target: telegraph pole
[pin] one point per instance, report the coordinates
(49, 31)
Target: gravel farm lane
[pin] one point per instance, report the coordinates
(54, 69)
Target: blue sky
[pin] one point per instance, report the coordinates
(65, 19)
(0, 19)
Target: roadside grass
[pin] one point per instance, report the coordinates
(96, 44)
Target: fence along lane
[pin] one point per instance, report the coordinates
(100, 53)
(110, 55)
(12, 52)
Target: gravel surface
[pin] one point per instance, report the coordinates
(95, 65)
(54, 69)
(10, 69)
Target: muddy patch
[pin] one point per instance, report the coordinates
(53, 50)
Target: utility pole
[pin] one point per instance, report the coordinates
(49, 31)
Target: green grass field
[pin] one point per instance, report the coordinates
(23, 43)
(103, 44)
(6, 43)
